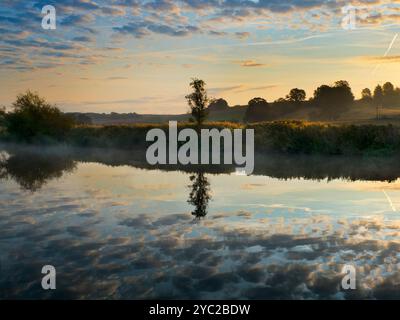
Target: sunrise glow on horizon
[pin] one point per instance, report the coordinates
(139, 56)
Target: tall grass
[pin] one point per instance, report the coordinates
(287, 137)
(296, 137)
(128, 136)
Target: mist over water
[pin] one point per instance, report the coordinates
(116, 228)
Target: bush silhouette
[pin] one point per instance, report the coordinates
(33, 119)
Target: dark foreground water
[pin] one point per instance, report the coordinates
(127, 232)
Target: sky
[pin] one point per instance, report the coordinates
(139, 56)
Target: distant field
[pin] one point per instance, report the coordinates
(357, 114)
(233, 114)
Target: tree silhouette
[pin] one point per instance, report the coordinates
(388, 88)
(389, 95)
(198, 101)
(258, 102)
(296, 95)
(257, 110)
(200, 194)
(366, 95)
(218, 105)
(333, 100)
(378, 96)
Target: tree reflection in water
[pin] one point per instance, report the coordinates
(33, 169)
(200, 194)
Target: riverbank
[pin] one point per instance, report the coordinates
(283, 137)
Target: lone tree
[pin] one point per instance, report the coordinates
(296, 95)
(198, 101)
(33, 118)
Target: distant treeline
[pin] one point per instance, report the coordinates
(328, 102)
(89, 118)
(33, 120)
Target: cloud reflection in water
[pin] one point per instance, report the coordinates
(123, 232)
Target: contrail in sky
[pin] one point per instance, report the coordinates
(391, 45)
(389, 200)
(247, 44)
(386, 53)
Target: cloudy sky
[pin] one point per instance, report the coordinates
(139, 55)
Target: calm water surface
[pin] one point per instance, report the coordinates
(122, 232)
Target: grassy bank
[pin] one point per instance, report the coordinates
(298, 137)
(127, 136)
(287, 137)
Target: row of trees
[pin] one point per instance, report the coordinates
(295, 95)
(329, 101)
(385, 96)
(33, 117)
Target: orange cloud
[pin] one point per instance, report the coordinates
(250, 63)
